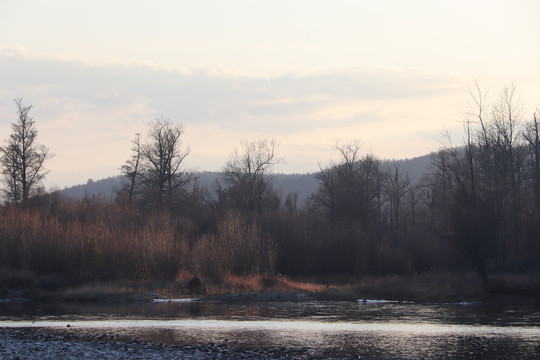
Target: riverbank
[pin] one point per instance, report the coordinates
(428, 287)
(31, 343)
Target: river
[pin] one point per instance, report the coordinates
(372, 329)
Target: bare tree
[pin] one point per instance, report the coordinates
(23, 158)
(486, 177)
(131, 169)
(245, 173)
(506, 117)
(351, 189)
(399, 184)
(531, 135)
(162, 159)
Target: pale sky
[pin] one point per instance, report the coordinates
(393, 74)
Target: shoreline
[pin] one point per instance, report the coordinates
(271, 296)
(421, 288)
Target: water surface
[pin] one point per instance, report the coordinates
(376, 330)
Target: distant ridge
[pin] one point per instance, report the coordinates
(415, 167)
(301, 184)
(105, 187)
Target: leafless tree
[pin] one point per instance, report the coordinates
(162, 159)
(245, 173)
(131, 169)
(399, 184)
(531, 135)
(487, 175)
(23, 158)
(154, 170)
(351, 188)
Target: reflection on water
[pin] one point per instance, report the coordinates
(392, 330)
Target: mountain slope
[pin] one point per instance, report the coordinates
(302, 184)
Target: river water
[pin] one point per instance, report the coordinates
(375, 329)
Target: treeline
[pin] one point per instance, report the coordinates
(478, 208)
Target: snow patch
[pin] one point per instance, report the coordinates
(367, 301)
(175, 300)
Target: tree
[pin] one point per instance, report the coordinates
(154, 170)
(23, 158)
(245, 174)
(485, 179)
(351, 189)
(532, 135)
(399, 184)
(162, 159)
(131, 169)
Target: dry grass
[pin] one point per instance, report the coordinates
(423, 287)
(94, 292)
(100, 243)
(238, 247)
(436, 287)
(123, 291)
(307, 286)
(235, 284)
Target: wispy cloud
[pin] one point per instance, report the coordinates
(111, 99)
(209, 95)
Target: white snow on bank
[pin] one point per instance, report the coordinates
(366, 301)
(175, 300)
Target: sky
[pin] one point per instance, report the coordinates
(393, 74)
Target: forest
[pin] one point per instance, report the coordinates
(477, 210)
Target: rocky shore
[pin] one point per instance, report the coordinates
(31, 343)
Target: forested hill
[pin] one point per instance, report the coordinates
(107, 188)
(301, 184)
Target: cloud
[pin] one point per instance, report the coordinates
(212, 95)
(88, 110)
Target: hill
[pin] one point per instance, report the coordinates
(302, 184)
